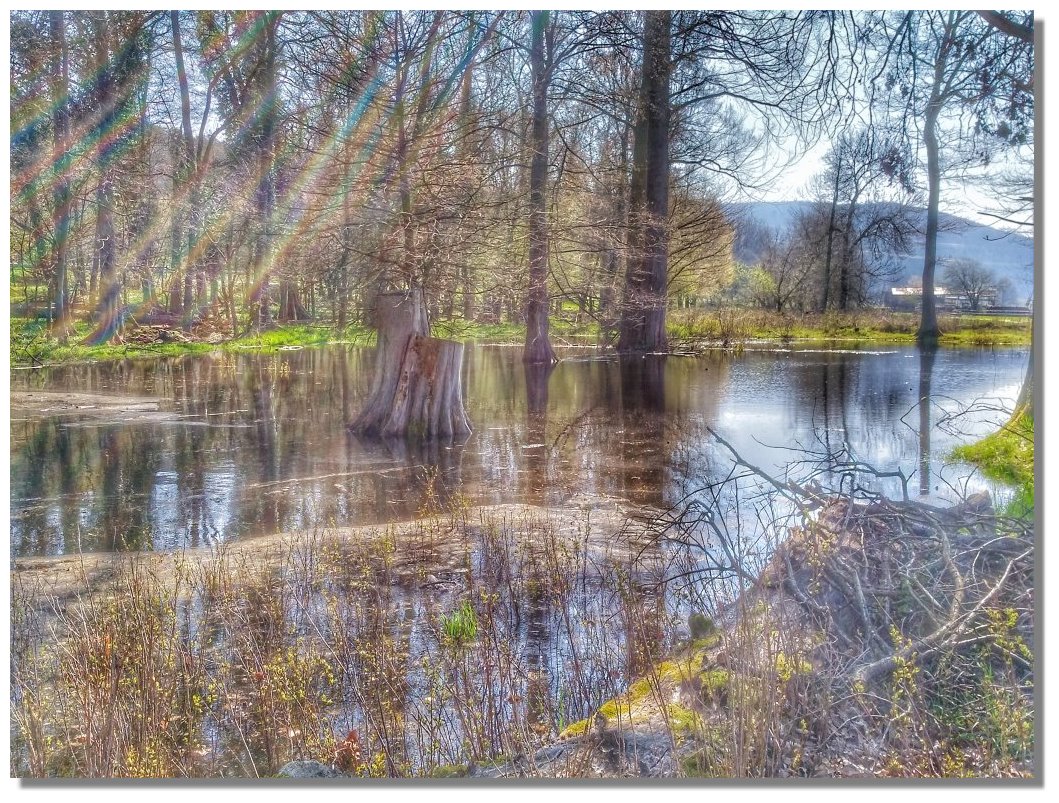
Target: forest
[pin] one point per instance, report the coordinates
(240, 170)
(523, 393)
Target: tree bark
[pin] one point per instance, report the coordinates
(417, 387)
(642, 326)
(538, 349)
(187, 183)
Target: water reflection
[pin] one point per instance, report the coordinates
(252, 443)
(926, 373)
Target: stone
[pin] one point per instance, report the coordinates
(309, 769)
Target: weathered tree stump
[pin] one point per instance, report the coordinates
(416, 390)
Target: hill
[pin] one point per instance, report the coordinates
(1008, 255)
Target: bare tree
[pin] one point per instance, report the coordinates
(955, 78)
(971, 278)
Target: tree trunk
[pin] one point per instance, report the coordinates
(1024, 404)
(928, 326)
(60, 162)
(346, 255)
(644, 308)
(417, 387)
(265, 197)
(107, 317)
(825, 302)
(291, 307)
(538, 349)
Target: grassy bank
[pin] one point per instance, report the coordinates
(32, 344)
(864, 326)
(1007, 456)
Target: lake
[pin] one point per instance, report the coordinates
(233, 445)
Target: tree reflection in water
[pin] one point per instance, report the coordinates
(249, 444)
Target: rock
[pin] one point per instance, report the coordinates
(309, 769)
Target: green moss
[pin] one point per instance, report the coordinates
(789, 666)
(618, 709)
(575, 729)
(639, 690)
(714, 680)
(683, 721)
(1007, 456)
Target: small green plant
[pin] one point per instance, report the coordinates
(461, 626)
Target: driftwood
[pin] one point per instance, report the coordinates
(417, 386)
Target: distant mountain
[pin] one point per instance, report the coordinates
(1008, 255)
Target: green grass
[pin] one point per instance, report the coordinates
(461, 626)
(1007, 456)
(734, 325)
(32, 343)
(560, 328)
(461, 329)
(306, 335)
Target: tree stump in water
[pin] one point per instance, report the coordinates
(416, 390)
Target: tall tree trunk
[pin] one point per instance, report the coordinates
(265, 197)
(107, 313)
(612, 257)
(538, 348)
(643, 325)
(60, 86)
(466, 282)
(825, 301)
(347, 253)
(928, 326)
(845, 276)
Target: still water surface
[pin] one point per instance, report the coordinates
(246, 444)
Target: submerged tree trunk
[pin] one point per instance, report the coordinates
(926, 374)
(538, 348)
(417, 387)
